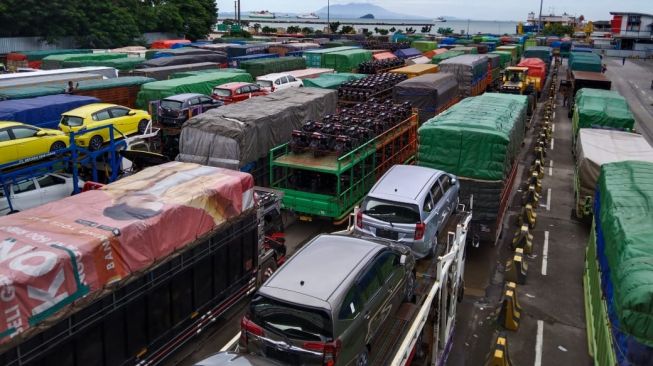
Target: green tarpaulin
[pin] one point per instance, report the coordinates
(331, 81)
(56, 61)
(626, 219)
(184, 74)
(114, 83)
(446, 55)
(477, 138)
(31, 91)
(202, 84)
(506, 57)
(424, 46)
(271, 65)
(84, 85)
(41, 54)
(122, 64)
(464, 41)
(584, 61)
(598, 108)
(469, 50)
(345, 61)
(314, 57)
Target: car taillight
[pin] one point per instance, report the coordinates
(272, 88)
(419, 230)
(329, 350)
(248, 326)
(359, 218)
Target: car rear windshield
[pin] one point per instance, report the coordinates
(222, 92)
(395, 212)
(71, 121)
(264, 83)
(171, 104)
(293, 321)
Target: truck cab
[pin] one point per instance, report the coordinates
(515, 80)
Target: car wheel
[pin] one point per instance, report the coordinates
(58, 145)
(142, 125)
(13, 212)
(409, 289)
(95, 143)
(363, 358)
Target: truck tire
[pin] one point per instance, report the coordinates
(363, 358)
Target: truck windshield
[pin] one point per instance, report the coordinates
(292, 321)
(71, 121)
(264, 83)
(171, 104)
(222, 92)
(395, 212)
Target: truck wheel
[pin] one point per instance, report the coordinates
(58, 145)
(363, 358)
(95, 143)
(142, 125)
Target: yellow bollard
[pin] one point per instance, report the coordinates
(517, 268)
(500, 356)
(527, 216)
(523, 239)
(509, 316)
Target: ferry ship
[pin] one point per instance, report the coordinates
(263, 14)
(308, 16)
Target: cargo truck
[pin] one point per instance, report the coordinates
(130, 272)
(585, 79)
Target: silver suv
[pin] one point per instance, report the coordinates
(410, 205)
(326, 304)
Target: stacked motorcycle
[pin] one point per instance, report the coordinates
(369, 86)
(376, 66)
(344, 132)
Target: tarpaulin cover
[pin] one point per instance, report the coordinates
(56, 61)
(95, 241)
(185, 74)
(216, 57)
(408, 53)
(41, 54)
(384, 56)
(469, 70)
(202, 84)
(478, 138)
(446, 55)
(598, 147)
(42, 80)
(494, 60)
(536, 67)
(424, 46)
(42, 111)
(237, 134)
(623, 216)
(167, 43)
(246, 49)
(464, 41)
(30, 91)
(162, 73)
(346, 61)
(466, 50)
(514, 51)
(416, 70)
(428, 93)
(491, 46)
(480, 48)
(332, 81)
(582, 61)
(448, 40)
(271, 65)
(113, 83)
(310, 73)
(419, 60)
(541, 52)
(235, 61)
(122, 64)
(185, 51)
(314, 57)
(597, 108)
(506, 57)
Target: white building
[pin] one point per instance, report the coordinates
(632, 31)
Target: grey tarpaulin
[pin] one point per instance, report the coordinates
(236, 134)
(469, 69)
(428, 93)
(217, 57)
(596, 147)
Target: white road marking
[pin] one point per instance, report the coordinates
(552, 142)
(545, 253)
(554, 116)
(229, 346)
(548, 200)
(553, 125)
(538, 343)
(550, 167)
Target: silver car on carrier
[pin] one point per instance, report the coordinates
(409, 204)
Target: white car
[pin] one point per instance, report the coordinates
(279, 81)
(37, 191)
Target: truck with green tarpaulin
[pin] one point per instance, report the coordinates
(596, 108)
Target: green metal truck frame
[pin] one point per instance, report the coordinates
(354, 173)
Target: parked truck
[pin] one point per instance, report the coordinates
(129, 272)
(585, 79)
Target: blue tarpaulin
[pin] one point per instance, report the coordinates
(42, 111)
(408, 53)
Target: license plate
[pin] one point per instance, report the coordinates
(387, 234)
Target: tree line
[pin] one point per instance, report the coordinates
(105, 23)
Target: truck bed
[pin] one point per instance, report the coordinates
(393, 333)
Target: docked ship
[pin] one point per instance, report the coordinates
(308, 16)
(263, 14)
(440, 19)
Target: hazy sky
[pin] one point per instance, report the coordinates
(474, 9)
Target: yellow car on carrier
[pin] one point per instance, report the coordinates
(125, 122)
(19, 141)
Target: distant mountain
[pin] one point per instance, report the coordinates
(368, 16)
(358, 10)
